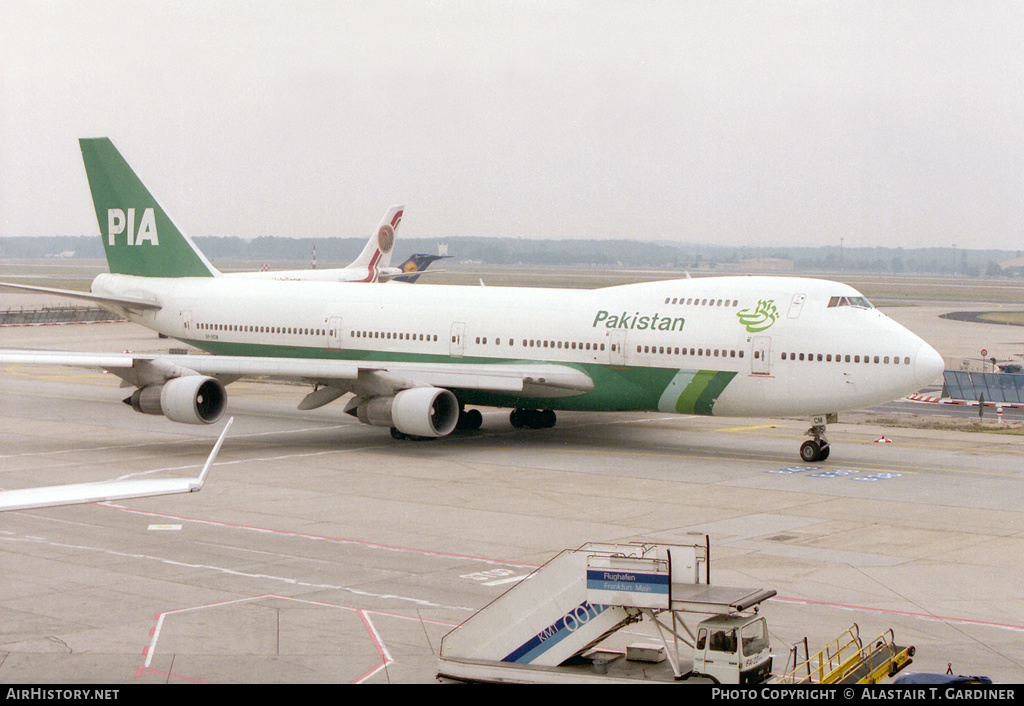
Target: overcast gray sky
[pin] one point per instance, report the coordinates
(793, 122)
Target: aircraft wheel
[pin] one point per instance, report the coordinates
(823, 454)
(470, 420)
(810, 451)
(532, 418)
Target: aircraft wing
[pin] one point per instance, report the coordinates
(558, 379)
(103, 491)
(363, 377)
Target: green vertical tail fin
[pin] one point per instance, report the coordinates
(138, 237)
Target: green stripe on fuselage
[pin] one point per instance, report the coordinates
(702, 390)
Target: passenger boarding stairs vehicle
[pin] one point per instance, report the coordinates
(550, 627)
(564, 624)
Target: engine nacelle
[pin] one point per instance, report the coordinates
(418, 411)
(192, 399)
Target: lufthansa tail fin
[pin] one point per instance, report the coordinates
(138, 236)
(376, 255)
(414, 266)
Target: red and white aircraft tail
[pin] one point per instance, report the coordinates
(372, 265)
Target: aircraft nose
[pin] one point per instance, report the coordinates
(928, 365)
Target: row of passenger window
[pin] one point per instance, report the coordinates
(540, 343)
(697, 301)
(706, 352)
(261, 329)
(526, 343)
(482, 340)
(393, 335)
(846, 358)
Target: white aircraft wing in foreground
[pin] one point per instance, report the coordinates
(104, 491)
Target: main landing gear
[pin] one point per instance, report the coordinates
(532, 418)
(469, 420)
(815, 449)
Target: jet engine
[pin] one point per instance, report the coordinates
(192, 399)
(417, 412)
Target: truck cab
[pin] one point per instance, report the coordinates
(733, 649)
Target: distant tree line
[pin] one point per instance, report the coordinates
(333, 252)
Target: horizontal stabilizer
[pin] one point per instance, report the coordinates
(124, 302)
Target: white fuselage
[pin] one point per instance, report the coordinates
(733, 346)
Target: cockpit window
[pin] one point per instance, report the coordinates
(861, 302)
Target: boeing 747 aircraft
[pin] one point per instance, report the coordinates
(415, 357)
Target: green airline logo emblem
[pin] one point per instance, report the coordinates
(762, 317)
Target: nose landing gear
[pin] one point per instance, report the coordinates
(817, 448)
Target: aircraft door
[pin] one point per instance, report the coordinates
(760, 360)
(458, 345)
(334, 333)
(617, 348)
(796, 305)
